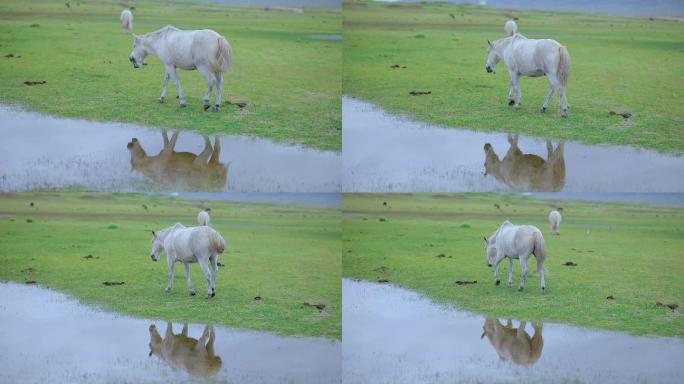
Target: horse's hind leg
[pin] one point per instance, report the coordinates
(211, 80)
(216, 154)
(549, 94)
(510, 93)
(187, 277)
(203, 157)
(510, 273)
(204, 264)
(563, 101)
(219, 90)
(165, 85)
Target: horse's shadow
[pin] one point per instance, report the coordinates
(181, 170)
(527, 172)
(195, 356)
(514, 344)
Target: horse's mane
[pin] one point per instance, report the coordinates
(161, 31)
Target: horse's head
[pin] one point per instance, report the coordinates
(139, 52)
(157, 246)
(493, 57)
(490, 251)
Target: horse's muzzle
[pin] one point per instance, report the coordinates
(489, 69)
(489, 265)
(152, 257)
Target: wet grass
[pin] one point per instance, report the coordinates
(618, 64)
(286, 255)
(289, 81)
(632, 253)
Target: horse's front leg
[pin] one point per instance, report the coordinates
(176, 82)
(499, 258)
(515, 87)
(169, 276)
(187, 277)
(165, 84)
(510, 273)
(523, 274)
(510, 93)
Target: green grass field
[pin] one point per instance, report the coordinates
(289, 79)
(618, 64)
(631, 252)
(287, 255)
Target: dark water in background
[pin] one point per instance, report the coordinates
(324, 4)
(672, 8)
(393, 335)
(48, 337)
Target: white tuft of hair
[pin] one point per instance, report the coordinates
(203, 219)
(511, 28)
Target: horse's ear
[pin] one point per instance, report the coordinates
(489, 43)
(485, 239)
(154, 234)
(150, 354)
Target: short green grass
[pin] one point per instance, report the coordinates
(631, 252)
(618, 64)
(289, 80)
(286, 255)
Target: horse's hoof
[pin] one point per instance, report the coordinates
(497, 282)
(516, 108)
(183, 105)
(161, 100)
(511, 102)
(510, 285)
(542, 109)
(215, 108)
(167, 290)
(520, 289)
(206, 106)
(564, 115)
(543, 290)
(213, 294)
(192, 293)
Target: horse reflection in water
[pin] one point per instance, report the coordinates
(181, 170)
(514, 344)
(185, 353)
(527, 172)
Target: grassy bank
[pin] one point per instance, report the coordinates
(427, 242)
(289, 79)
(285, 255)
(618, 64)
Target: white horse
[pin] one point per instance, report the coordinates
(203, 218)
(511, 28)
(189, 245)
(126, 19)
(531, 57)
(516, 242)
(204, 50)
(555, 220)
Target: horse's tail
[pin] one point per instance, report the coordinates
(224, 55)
(216, 242)
(511, 28)
(539, 250)
(563, 65)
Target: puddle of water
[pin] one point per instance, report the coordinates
(384, 153)
(54, 339)
(43, 152)
(392, 335)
